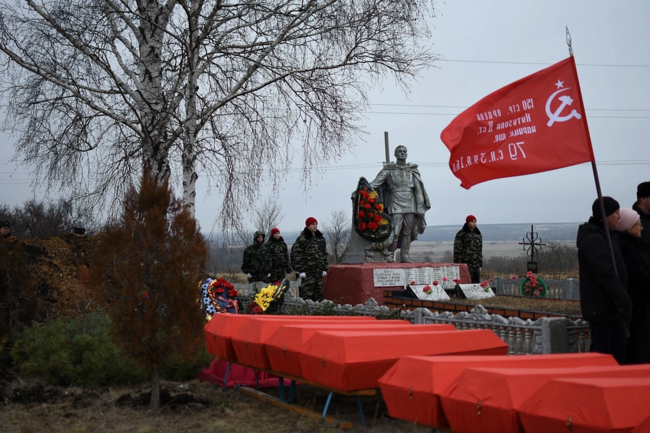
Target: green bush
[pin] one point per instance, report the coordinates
(71, 352)
(76, 352)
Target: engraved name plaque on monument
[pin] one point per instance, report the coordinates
(475, 291)
(388, 277)
(437, 293)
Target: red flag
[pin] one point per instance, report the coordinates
(535, 124)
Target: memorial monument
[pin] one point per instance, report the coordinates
(399, 190)
(388, 214)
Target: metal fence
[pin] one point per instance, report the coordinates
(524, 337)
(568, 289)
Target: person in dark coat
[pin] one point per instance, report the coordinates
(279, 255)
(642, 206)
(468, 248)
(257, 264)
(309, 260)
(637, 263)
(604, 300)
(5, 229)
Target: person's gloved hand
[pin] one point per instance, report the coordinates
(268, 275)
(324, 273)
(302, 275)
(249, 275)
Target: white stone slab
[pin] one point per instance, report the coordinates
(427, 275)
(388, 277)
(437, 293)
(475, 291)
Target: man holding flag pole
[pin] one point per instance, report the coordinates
(535, 124)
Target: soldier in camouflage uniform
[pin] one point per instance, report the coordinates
(309, 260)
(257, 263)
(279, 255)
(468, 248)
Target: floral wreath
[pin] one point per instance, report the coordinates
(370, 220)
(218, 296)
(533, 286)
(268, 299)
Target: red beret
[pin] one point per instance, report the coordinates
(470, 218)
(274, 231)
(310, 221)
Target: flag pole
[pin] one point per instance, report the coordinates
(593, 165)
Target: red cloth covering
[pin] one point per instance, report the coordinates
(487, 400)
(593, 406)
(218, 334)
(412, 387)
(349, 360)
(248, 341)
(239, 375)
(220, 329)
(284, 346)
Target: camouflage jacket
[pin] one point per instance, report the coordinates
(468, 247)
(256, 260)
(309, 253)
(279, 256)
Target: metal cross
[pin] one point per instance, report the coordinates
(532, 243)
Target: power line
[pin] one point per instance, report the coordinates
(456, 114)
(540, 63)
(464, 107)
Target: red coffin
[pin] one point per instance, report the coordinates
(248, 341)
(348, 360)
(487, 400)
(220, 329)
(412, 387)
(588, 406)
(285, 345)
(218, 332)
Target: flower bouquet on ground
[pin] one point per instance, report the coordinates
(369, 219)
(533, 286)
(218, 296)
(269, 299)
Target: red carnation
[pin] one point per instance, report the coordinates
(362, 226)
(232, 293)
(378, 207)
(372, 225)
(219, 290)
(435, 282)
(367, 206)
(371, 215)
(371, 200)
(361, 214)
(361, 203)
(377, 219)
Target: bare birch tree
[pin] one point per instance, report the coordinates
(337, 231)
(97, 91)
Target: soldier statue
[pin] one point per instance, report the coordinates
(401, 188)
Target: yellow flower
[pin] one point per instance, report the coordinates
(373, 194)
(383, 222)
(265, 297)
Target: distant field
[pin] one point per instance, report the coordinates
(436, 250)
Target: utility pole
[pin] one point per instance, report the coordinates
(386, 145)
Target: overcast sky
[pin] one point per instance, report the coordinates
(485, 45)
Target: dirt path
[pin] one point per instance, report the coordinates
(198, 407)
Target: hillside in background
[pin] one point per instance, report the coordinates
(490, 232)
(506, 232)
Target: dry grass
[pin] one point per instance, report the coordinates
(76, 410)
(529, 304)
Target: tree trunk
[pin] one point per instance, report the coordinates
(190, 132)
(155, 389)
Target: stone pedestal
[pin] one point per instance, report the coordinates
(354, 283)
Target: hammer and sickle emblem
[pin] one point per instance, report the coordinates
(555, 117)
